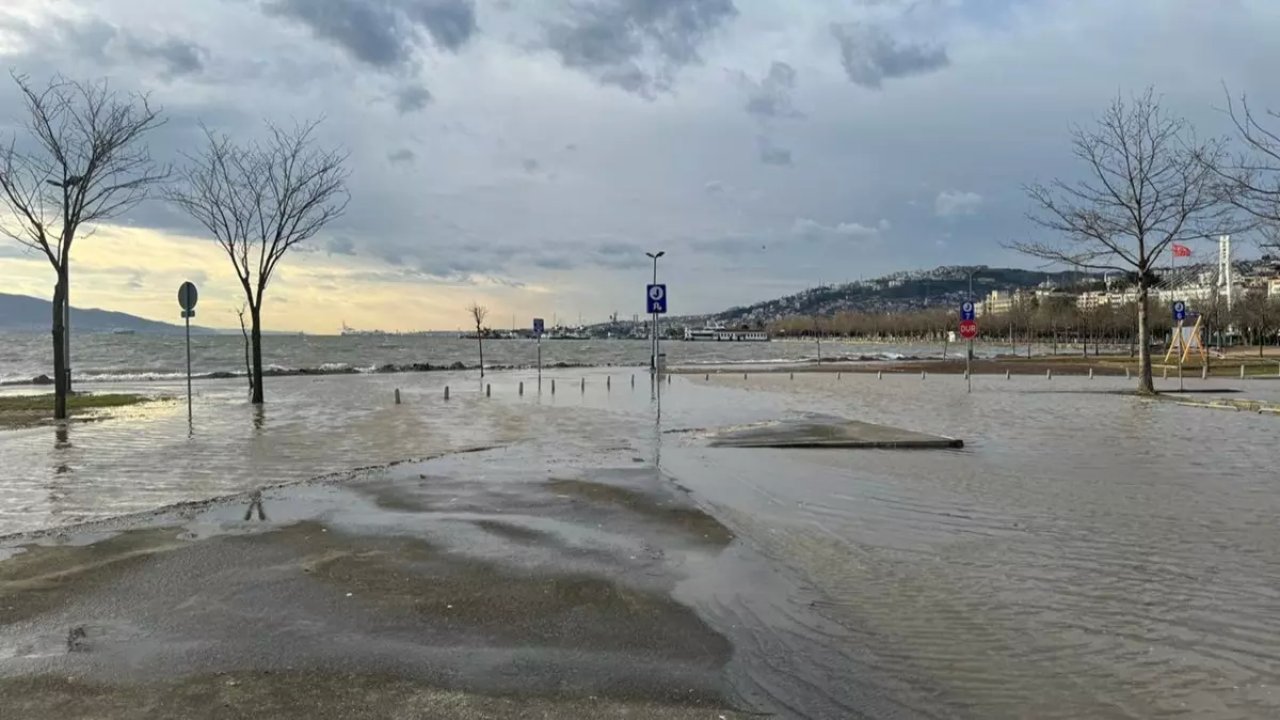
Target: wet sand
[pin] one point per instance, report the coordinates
(417, 591)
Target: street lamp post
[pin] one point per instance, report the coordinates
(653, 357)
(66, 186)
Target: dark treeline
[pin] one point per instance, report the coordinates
(1052, 321)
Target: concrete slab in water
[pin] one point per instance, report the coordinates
(830, 433)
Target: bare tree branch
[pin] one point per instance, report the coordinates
(259, 201)
(1149, 183)
(83, 161)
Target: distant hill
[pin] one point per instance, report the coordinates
(19, 313)
(901, 291)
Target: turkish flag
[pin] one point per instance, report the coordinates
(1181, 250)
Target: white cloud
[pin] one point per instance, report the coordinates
(808, 229)
(954, 203)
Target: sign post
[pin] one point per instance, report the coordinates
(656, 299)
(968, 331)
(538, 327)
(1179, 316)
(187, 297)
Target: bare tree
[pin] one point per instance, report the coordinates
(83, 161)
(1260, 316)
(259, 201)
(1255, 174)
(478, 313)
(1150, 184)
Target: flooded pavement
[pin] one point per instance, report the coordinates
(464, 580)
(1087, 554)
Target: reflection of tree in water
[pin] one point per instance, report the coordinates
(255, 501)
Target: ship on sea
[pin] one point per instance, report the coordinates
(719, 333)
(350, 331)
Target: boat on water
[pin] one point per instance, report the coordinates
(123, 331)
(350, 331)
(720, 333)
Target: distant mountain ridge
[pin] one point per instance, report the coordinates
(901, 291)
(21, 313)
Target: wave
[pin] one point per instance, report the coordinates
(133, 375)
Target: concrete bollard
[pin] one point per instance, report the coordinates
(1241, 372)
(669, 379)
(1166, 374)
(633, 381)
(744, 376)
(1048, 373)
(446, 392)
(1204, 372)
(1008, 375)
(397, 396)
(1090, 373)
(488, 390)
(584, 384)
(923, 374)
(553, 386)
(838, 375)
(522, 387)
(608, 382)
(879, 374)
(706, 377)
(793, 376)
(966, 375)
(1126, 372)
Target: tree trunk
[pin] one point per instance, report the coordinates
(255, 337)
(1145, 384)
(248, 364)
(480, 345)
(59, 356)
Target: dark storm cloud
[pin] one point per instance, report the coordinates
(179, 57)
(870, 55)
(382, 33)
(401, 156)
(451, 23)
(412, 98)
(637, 45)
(772, 154)
(340, 246)
(770, 97)
(108, 45)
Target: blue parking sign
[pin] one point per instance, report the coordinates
(656, 299)
(1179, 310)
(966, 310)
(538, 326)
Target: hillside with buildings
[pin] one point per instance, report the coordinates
(904, 292)
(996, 291)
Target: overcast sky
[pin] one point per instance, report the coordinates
(526, 153)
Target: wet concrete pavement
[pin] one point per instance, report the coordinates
(441, 589)
(1087, 554)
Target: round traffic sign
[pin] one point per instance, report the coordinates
(968, 329)
(967, 306)
(187, 296)
(1179, 306)
(656, 292)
